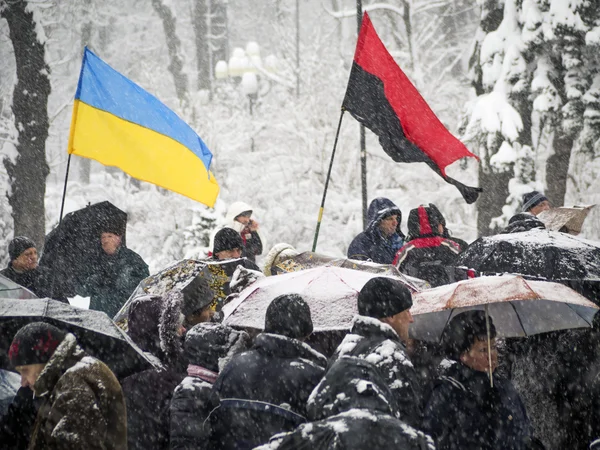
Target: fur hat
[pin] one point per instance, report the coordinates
(383, 297)
(280, 252)
(289, 315)
(18, 245)
(227, 239)
(35, 343)
(209, 344)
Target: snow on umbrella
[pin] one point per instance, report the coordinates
(94, 330)
(518, 307)
(331, 293)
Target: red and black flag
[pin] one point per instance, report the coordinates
(382, 98)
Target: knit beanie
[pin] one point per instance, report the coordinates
(197, 295)
(35, 343)
(227, 239)
(532, 199)
(460, 333)
(18, 245)
(383, 297)
(289, 315)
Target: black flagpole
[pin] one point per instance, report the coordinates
(62, 205)
(363, 150)
(337, 134)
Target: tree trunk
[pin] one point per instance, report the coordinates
(492, 199)
(30, 108)
(557, 168)
(85, 164)
(201, 31)
(174, 47)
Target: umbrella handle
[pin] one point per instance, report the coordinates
(489, 344)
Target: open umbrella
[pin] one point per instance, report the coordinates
(541, 254)
(330, 292)
(518, 307)
(10, 289)
(94, 330)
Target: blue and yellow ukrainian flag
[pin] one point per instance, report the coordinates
(117, 123)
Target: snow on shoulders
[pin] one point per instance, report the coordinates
(388, 353)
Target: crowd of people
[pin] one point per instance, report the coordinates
(216, 387)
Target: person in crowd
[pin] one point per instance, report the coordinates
(197, 306)
(155, 325)
(427, 255)
(239, 218)
(379, 334)
(464, 411)
(353, 407)
(443, 230)
(114, 273)
(264, 391)
(82, 404)
(535, 202)
(207, 348)
(382, 238)
(523, 222)
(16, 425)
(228, 244)
(279, 253)
(23, 269)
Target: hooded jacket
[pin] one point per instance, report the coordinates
(523, 222)
(376, 342)
(371, 244)
(465, 413)
(154, 323)
(82, 403)
(352, 408)
(273, 380)
(427, 255)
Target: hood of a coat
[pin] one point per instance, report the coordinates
(67, 354)
(381, 208)
(285, 347)
(235, 209)
(423, 222)
(212, 345)
(369, 327)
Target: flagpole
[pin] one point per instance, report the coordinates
(337, 134)
(62, 205)
(363, 149)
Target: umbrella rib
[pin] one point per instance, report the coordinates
(518, 317)
(584, 319)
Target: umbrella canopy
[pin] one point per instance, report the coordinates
(517, 306)
(331, 292)
(71, 247)
(95, 332)
(10, 289)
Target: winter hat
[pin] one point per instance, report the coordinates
(383, 297)
(462, 330)
(289, 315)
(197, 295)
(35, 343)
(280, 252)
(208, 343)
(227, 239)
(532, 199)
(423, 221)
(18, 245)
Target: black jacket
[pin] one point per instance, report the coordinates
(465, 413)
(17, 424)
(111, 279)
(376, 342)
(39, 281)
(275, 377)
(371, 244)
(352, 408)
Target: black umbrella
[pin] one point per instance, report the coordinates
(74, 243)
(95, 332)
(539, 253)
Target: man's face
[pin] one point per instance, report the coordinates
(544, 206)
(400, 323)
(110, 243)
(28, 260)
(205, 315)
(388, 225)
(477, 356)
(30, 374)
(229, 254)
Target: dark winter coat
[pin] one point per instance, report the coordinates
(352, 408)
(153, 326)
(38, 281)
(83, 405)
(111, 279)
(465, 413)
(17, 424)
(523, 222)
(376, 342)
(274, 380)
(427, 255)
(371, 244)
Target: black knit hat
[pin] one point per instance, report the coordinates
(197, 295)
(35, 343)
(532, 199)
(18, 245)
(383, 297)
(461, 332)
(227, 239)
(289, 315)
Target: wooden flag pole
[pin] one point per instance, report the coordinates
(337, 134)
